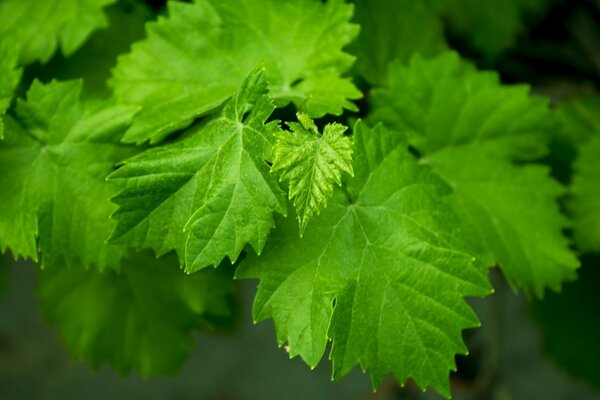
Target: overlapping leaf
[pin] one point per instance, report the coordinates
(139, 318)
(377, 273)
(570, 325)
(445, 102)
(471, 128)
(512, 214)
(197, 57)
(388, 31)
(3, 274)
(580, 118)
(210, 194)
(54, 159)
(492, 26)
(94, 60)
(312, 163)
(586, 196)
(577, 144)
(41, 26)
(9, 77)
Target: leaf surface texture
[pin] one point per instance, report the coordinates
(473, 130)
(196, 58)
(377, 274)
(55, 158)
(209, 194)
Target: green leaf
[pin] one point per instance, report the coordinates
(312, 163)
(388, 32)
(580, 118)
(472, 129)
(377, 273)
(444, 102)
(9, 77)
(40, 26)
(4, 264)
(586, 196)
(570, 324)
(492, 26)
(139, 318)
(197, 57)
(209, 194)
(54, 159)
(94, 60)
(512, 213)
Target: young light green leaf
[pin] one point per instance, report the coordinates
(471, 129)
(9, 76)
(387, 32)
(139, 318)
(586, 196)
(55, 159)
(210, 194)
(376, 274)
(40, 26)
(312, 163)
(196, 58)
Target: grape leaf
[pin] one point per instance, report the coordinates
(580, 118)
(55, 159)
(571, 325)
(513, 211)
(9, 77)
(3, 274)
(444, 102)
(586, 196)
(197, 57)
(140, 317)
(94, 60)
(471, 129)
(209, 194)
(312, 163)
(40, 26)
(387, 32)
(492, 26)
(377, 272)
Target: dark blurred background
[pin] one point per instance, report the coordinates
(506, 361)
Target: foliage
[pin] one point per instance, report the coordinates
(471, 130)
(40, 27)
(491, 26)
(194, 59)
(377, 274)
(55, 157)
(311, 162)
(571, 329)
(139, 317)
(209, 194)
(393, 215)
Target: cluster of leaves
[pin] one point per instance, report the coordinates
(368, 237)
